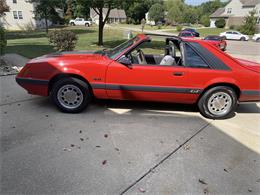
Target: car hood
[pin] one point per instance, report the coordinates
(254, 66)
(71, 57)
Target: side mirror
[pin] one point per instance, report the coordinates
(125, 61)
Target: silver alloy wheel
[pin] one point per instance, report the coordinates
(70, 96)
(219, 103)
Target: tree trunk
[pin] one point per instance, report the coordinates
(100, 28)
(46, 25)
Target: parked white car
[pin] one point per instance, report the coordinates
(234, 35)
(80, 22)
(256, 37)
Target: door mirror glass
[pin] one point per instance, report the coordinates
(125, 61)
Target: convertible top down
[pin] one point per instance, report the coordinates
(146, 68)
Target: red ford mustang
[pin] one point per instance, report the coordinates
(181, 71)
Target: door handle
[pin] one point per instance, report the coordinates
(178, 73)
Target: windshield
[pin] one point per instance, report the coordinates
(117, 50)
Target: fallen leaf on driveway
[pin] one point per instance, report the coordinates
(250, 190)
(186, 147)
(81, 139)
(105, 135)
(80, 131)
(202, 181)
(98, 146)
(117, 149)
(104, 162)
(141, 190)
(67, 149)
(206, 191)
(226, 170)
(72, 145)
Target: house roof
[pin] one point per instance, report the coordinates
(218, 13)
(114, 13)
(250, 2)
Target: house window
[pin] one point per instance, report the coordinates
(15, 14)
(229, 10)
(14, 1)
(20, 15)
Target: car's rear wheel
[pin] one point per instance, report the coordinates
(242, 39)
(87, 25)
(71, 95)
(218, 102)
(72, 24)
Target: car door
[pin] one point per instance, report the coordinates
(236, 35)
(229, 35)
(149, 82)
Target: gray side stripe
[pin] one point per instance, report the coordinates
(31, 81)
(250, 92)
(146, 88)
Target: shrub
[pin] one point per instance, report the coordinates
(178, 28)
(205, 21)
(220, 23)
(63, 40)
(249, 26)
(3, 41)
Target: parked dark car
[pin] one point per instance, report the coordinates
(186, 34)
(218, 41)
(193, 31)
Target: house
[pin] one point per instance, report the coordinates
(115, 16)
(235, 12)
(21, 16)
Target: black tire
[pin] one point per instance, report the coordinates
(204, 106)
(72, 24)
(258, 40)
(85, 94)
(242, 39)
(87, 24)
(225, 38)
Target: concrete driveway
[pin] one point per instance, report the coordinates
(125, 148)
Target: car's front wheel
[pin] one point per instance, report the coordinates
(258, 40)
(218, 102)
(71, 95)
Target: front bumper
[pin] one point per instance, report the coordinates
(34, 86)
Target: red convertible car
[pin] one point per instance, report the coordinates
(183, 71)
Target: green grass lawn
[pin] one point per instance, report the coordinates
(210, 31)
(204, 31)
(34, 44)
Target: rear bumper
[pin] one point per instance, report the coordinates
(34, 86)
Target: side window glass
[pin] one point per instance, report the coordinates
(192, 59)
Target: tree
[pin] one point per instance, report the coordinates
(156, 13)
(249, 26)
(176, 9)
(205, 21)
(136, 9)
(45, 9)
(3, 7)
(98, 7)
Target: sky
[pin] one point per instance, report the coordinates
(195, 2)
